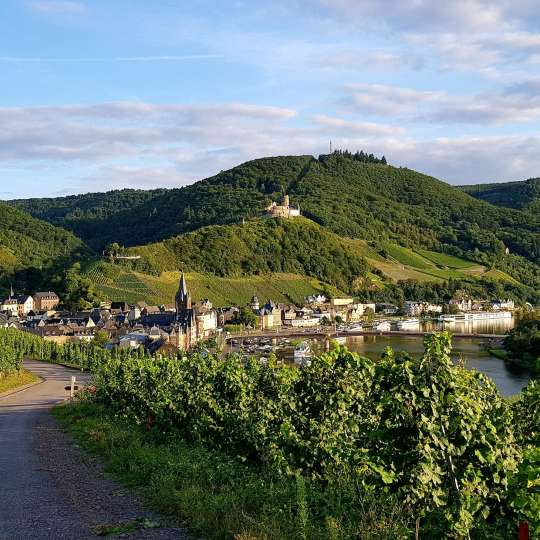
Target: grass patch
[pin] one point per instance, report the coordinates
(406, 256)
(442, 259)
(498, 353)
(15, 380)
(220, 497)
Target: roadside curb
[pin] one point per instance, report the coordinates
(21, 388)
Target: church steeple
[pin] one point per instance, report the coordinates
(183, 298)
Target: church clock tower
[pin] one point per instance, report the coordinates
(183, 298)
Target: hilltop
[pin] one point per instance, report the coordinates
(524, 195)
(347, 203)
(352, 198)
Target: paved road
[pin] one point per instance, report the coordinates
(48, 488)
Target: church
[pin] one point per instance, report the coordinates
(187, 325)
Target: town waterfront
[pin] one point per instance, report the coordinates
(471, 351)
(509, 379)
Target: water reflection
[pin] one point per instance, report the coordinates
(509, 380)
(488, 326)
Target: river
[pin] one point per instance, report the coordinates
(470, 351)
(509, 380)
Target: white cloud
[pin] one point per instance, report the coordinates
(516, 103)
(342, 126)
(150, 145)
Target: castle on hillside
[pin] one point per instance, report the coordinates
(283, 210)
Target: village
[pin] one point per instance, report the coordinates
(166, 329)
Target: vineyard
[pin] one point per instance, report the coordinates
(431, 437)
(118, 283)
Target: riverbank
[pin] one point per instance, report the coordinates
(513, 361)
(17, 380)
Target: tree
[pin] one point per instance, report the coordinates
(369, 314)
(100, 338)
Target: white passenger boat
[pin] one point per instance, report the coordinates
(475, 316)
(382, 326)
(408, 324)
(302, 354)
(357, 327)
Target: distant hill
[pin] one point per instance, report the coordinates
(520, 195)
(132, 217)
(31, 246)
(353, 199)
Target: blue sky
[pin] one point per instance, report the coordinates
(103, 94)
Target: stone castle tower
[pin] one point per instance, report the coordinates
(183, 298)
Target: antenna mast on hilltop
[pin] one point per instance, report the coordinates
(330, 145)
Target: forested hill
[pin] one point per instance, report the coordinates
(132, 217)
(29, 245)
(258, 246)
(348, 196)
(521, 195)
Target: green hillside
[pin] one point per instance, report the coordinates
(356, 200)
(350, 197)
(520, 195)
(259, 246)
(393, 263)
(29, 247)
(133, 217)
(117, 283)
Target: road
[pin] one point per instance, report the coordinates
(49, 489)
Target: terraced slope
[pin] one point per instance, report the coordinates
(117, 283)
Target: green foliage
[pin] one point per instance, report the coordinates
(436, 435)
(525, 491)
(523, 343)
(527, 414)
(430, 434)
(520, 195)
(122, 283)
(219, 497)
(245, 317)
(444, 436)
(11, 352)
(259, 246)
(32, 250)
(15, 345)
(397, 293)
(76, 290)
(352, 197)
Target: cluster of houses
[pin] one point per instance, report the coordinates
(182, 325)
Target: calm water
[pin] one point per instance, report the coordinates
(509, 380)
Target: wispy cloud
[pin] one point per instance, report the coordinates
(513, 104)
(67, 60)
(59, 6)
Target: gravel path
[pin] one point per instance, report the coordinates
(49, 488)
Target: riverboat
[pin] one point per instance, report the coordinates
(475, 316)
(382, 326)
(408, 324)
